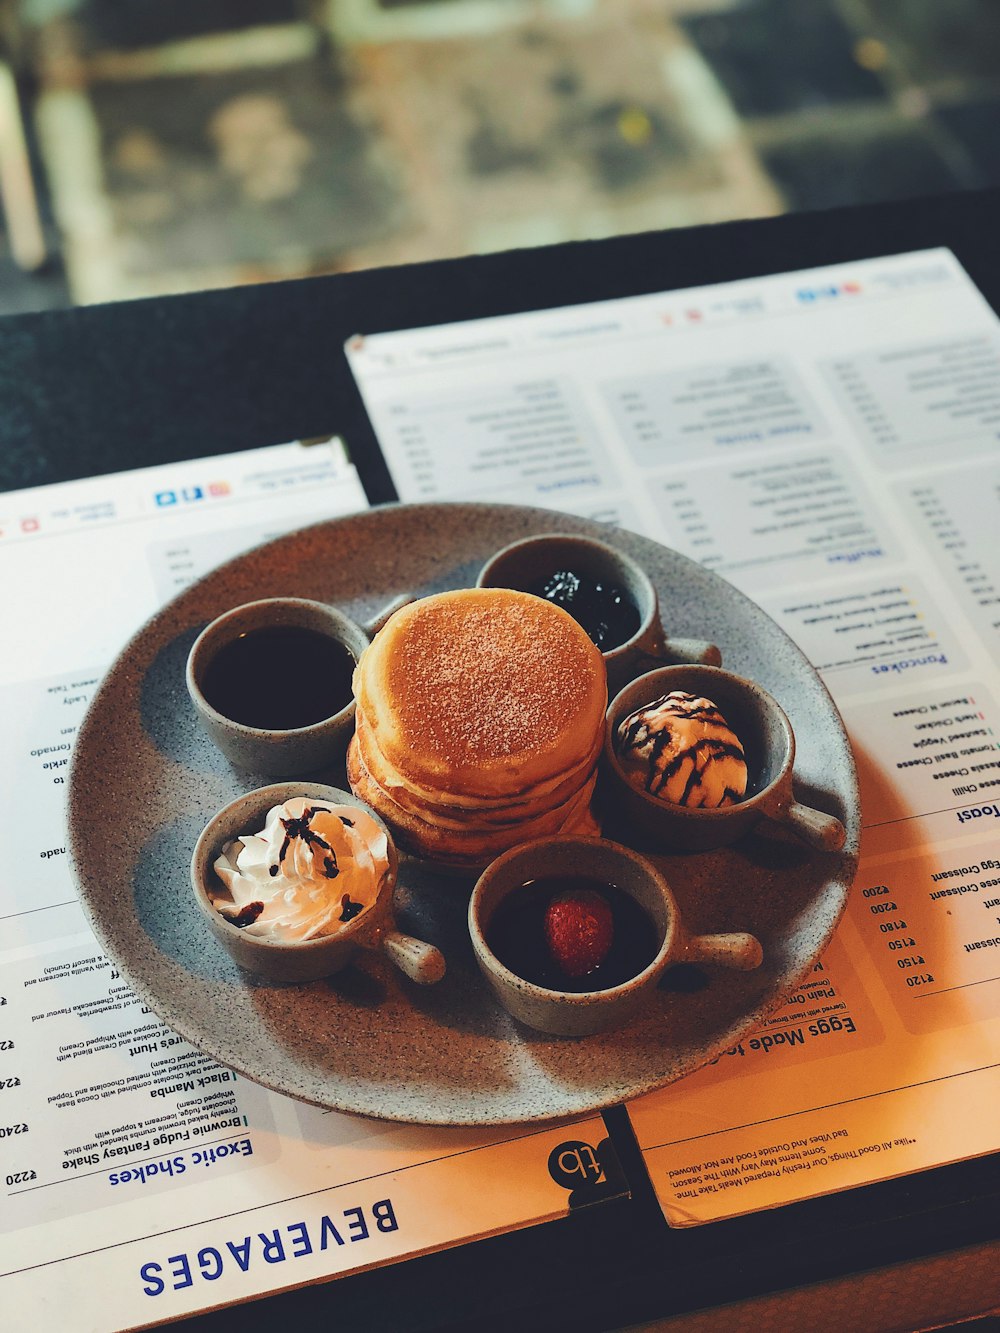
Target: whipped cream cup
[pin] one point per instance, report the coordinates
(310, 870)
(768, 741)
(295, 878)
(526, 563)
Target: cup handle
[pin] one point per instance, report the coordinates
(421, 962)
(692, 652)
(371, 627)
(685, 652)
(824, 832)
(736, 950)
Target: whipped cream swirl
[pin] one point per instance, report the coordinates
(312, 869)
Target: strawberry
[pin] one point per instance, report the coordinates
(578, 930)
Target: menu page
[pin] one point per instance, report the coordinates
(827, 441)
(142, 1181)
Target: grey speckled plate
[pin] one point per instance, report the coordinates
(145, 780)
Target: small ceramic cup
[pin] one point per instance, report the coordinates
(307, 960)
(278, 753)
(768, 742)
(579, 1014)
(526, 565)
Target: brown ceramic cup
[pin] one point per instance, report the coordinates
(279, 753)
(578, 1014)
(528, 563)
(306, 960)
(768, 742)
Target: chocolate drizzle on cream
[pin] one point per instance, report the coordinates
(650, 740)
(331, 863)
(299, 828)
(348, 909)
(245, 916)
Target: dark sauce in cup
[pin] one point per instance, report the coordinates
(608, 614)
(280, 678)
(516, 934)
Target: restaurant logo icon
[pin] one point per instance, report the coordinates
(590, 1174)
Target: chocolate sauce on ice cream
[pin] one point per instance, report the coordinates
(680, 749)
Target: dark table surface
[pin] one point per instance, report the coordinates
(108, 388)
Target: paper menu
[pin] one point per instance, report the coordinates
(141, 1181)
(827, 441)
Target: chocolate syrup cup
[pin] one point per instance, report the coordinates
(768, 741)
(528, 563)
(274, 750)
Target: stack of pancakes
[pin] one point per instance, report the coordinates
(480, 720)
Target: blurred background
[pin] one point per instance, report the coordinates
(157, 146)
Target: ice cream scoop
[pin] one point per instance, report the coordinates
(309, 871)
(680, 749)
(768, 745)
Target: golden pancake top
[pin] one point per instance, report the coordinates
(482, 690)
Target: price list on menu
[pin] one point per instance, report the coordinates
(681, 414)
(934, 930)
(958, 515)
(843, 475)
(910, 400)
(531, 428)
(863, 400)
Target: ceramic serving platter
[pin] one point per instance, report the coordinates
(145, 780)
